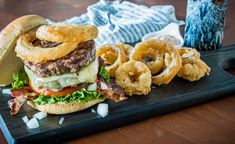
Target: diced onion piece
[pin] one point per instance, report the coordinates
(6, 91)
(92, 110)
(61, 121)
(92, 87)
(40, 115)
(102, 109)
(25, 119)
(33, 123)
(103, 86)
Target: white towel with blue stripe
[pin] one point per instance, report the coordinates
(124, 22)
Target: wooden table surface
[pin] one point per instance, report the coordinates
(212, 122)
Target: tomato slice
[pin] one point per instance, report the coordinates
(63, 92)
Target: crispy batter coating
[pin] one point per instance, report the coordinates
(158, 48)
(126, 48)
(193, 68)
(64, 32)
(149, 53)
(134, 77)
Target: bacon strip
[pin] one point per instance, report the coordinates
(16, 103)
(101, 62)
(114, 92)
(21, 91)
(20, 98)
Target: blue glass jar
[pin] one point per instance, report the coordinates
(204, 29)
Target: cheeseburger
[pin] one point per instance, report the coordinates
(61, 73)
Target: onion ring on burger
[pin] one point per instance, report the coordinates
(26, 51)
(69, 37)
(63, 32)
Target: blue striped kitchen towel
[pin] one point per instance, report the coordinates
(124, 22)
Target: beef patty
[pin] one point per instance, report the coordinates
(82, 56)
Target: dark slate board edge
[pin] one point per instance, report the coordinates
(6, 132)
(149, 111)
(227, 48)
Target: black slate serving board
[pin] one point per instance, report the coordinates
(162, 99)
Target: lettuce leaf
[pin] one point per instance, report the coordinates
(104, 74)
(81, 96)
(20, 79)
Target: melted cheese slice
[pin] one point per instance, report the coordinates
(87, 74)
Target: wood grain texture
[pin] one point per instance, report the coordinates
(213, 122)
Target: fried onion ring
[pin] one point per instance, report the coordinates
(134, 77)
(193, 68)
(66, 33)
(113, 57)
(188, 54)
(153, 53)
(26, 51)
(69, 37)
(162, 48)
(126, 48)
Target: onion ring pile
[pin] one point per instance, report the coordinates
(135, 74)
(134, 77)
(59, 33)
(193, 68)
(113, 57)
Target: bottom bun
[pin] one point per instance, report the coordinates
(63, 108)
